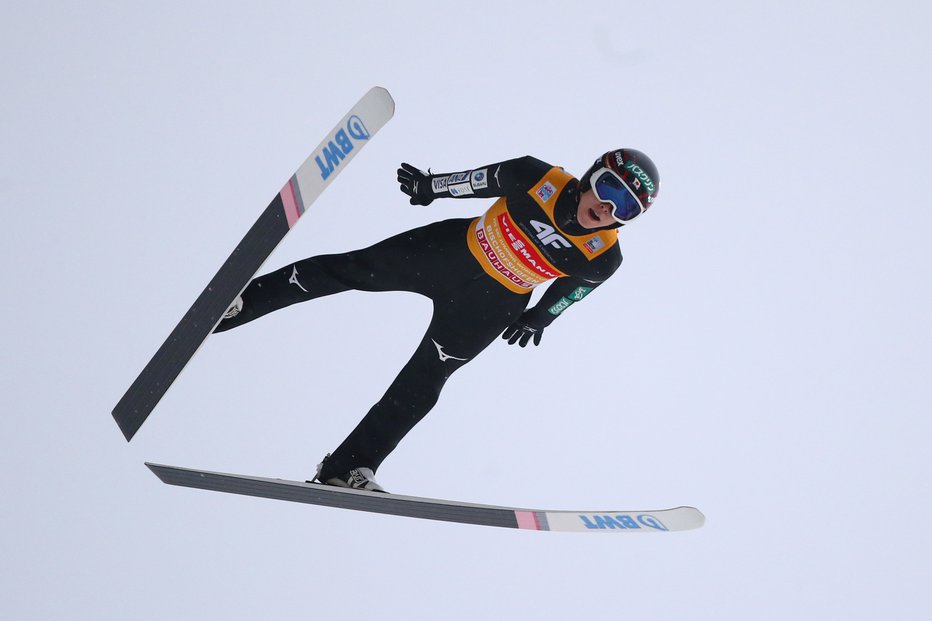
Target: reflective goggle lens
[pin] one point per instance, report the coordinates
(609, 188)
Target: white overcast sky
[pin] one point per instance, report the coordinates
(763, 354)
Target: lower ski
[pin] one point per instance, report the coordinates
(372, 112)
(664, 520)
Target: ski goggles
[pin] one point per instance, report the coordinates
(609, 188)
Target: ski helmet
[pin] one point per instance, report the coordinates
(625, 178)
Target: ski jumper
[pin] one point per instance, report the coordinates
(478, 273)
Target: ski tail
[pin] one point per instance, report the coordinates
(330, 157)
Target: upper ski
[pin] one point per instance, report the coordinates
(343, 142)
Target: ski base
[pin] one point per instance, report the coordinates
(665, 520)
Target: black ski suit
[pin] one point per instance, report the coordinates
(478, 273)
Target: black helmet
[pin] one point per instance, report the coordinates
(627, 179)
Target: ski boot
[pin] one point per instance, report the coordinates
(234, 309)
(357, 478)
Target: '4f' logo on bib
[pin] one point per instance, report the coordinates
(549, 237)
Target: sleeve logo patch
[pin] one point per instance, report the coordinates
(460, 189)
(439, 185)
(560, 306)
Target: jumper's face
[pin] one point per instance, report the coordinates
(592, 213)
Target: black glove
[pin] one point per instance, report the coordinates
(521, 331)
(416, 184)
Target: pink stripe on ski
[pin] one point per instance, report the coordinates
(527, 520)
(291, 204)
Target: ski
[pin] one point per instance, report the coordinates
(346, 139)
(665, 520)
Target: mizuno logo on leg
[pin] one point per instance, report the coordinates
(294, 279)
(444, 357)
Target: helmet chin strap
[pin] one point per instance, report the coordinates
(566, 214)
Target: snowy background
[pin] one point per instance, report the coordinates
(763, 354)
